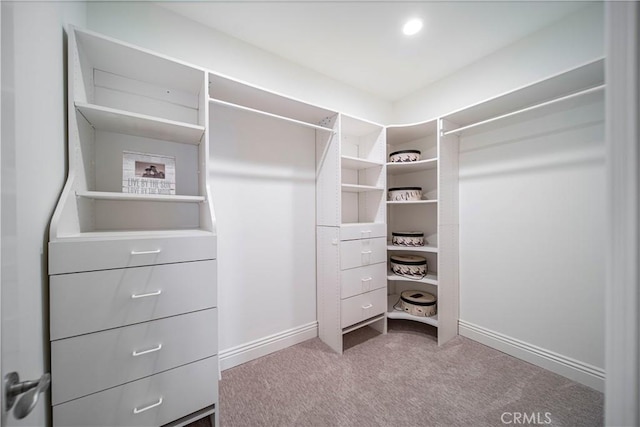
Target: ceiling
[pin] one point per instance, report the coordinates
(360, 43)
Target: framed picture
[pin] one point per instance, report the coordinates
(148, 173)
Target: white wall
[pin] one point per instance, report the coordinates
(575, 40)
(163, 31)
(263, 187)
(532, 236)
(33, 173)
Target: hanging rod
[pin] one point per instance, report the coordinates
(264, 113)
(533, 107)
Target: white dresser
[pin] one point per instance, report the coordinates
(134, 345)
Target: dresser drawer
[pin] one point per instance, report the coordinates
(183, 390)
(70, 256)
(90, 363)
(356, 253)
(359, 280)
(362, 307)
(362, 231)
(96, 300)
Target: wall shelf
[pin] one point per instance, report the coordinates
(356, 163)
(425, 248)
(272, 115)
(120, 121)
(431, 278)
(392, 313)
(410, 167)
(353, 188)
(106, 195)
(587, 77)
(416, 202)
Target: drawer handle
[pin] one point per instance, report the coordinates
(366, 279)
(150, 294)
(151, 350)
(365, 252)
(365, 307)
(156, 251)
(365, 231)
(146, 408)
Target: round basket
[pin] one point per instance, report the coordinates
(417, 303)
(405, 194)
(407, 238)
(404, 156)
(410, 266)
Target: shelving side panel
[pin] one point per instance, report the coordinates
(328, 287)
(328, 176)
(80, 79)
(448, 236)
(207, 212)
(448, 206)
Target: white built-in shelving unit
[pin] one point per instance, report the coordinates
(117, 260)
(421, 215)
(351, 242)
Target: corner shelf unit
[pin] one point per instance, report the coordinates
(423, 216)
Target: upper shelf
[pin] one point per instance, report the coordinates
(350, 162)
(353, 188)
(114, 120)
(243, 94)
(106, 195)
(265, 113)
(409, 167)
(586, 78)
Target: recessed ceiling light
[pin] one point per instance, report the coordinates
(413, 26)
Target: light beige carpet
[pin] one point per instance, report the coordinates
(401, 379)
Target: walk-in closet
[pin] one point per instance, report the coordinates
(304, 213)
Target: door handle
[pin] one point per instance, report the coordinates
(30, 391)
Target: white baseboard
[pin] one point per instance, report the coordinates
(261, 347)
(575, 370)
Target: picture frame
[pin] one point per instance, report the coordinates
(144, 173)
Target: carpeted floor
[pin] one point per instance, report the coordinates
(401, 379)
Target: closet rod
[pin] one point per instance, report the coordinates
(264, 113)
(533, 107)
